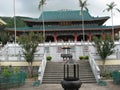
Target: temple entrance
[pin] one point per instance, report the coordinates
(80, 38)
(49, 39)
(65, 38)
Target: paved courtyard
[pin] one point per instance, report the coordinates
(92, 86)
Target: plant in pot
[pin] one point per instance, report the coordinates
(48, 58)
(86, 57)
(81, 57)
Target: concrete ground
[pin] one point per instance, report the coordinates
(90, 86)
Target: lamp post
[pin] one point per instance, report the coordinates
(14, 23)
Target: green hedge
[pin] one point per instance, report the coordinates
(83, 57)
(11, 77)
(48, 58)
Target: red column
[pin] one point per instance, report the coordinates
(103, 36)
(55, 37)
(75, 37)
(89, 37)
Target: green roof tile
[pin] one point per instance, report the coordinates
(68, 15)
(65, 15)
(55, 27)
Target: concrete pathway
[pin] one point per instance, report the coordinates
(92, 86)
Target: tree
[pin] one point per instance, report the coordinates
(4, 37)
(41, 4)
(83, 5)
(105, 47)
(110, 8)
(29, 43)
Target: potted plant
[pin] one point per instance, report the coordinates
(81, 57)
(48, 58)
(86, 57)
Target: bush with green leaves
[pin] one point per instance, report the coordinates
(49, 58)
(106, 74)
(83, 57)
(6, 72)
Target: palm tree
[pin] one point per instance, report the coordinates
(41, 4)
(83, 5)
(110, 8)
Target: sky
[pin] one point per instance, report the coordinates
(29, 8)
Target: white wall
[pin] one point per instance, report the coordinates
(14, 52)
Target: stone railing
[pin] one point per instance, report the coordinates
(95, 68)
(42, 68)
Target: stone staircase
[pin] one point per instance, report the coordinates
(54, 73)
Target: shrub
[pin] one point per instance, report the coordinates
(6, 72)
(86, 57)
(81, 57)
(48, 58)
(106, 74)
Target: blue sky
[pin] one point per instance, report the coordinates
(29, 8)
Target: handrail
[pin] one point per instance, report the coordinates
(42, 69)
(95, 68)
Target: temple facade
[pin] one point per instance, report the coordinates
(66, 25)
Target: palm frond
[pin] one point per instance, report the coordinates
(41, 3)
(118, 9)
(110, 6)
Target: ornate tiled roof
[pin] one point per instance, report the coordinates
(59, 16)
(65, 15)
(61, 28)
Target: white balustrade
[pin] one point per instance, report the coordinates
(95, 68)
(42, 68)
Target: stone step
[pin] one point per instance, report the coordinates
(58, 81)
(54, 72)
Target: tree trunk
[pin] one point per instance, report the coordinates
(30, 71)
(103, 66)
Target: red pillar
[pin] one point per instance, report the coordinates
(55, 37)
(103, 36)
(75, 37)
(89, 37)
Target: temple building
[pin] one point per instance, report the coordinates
(66, 25)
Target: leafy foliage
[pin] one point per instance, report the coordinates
(49, 58)
(41, 3)
(105, 47)
(4, 37)
(10, 21)
(6, 72)
(83, 5)
(29, 43)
